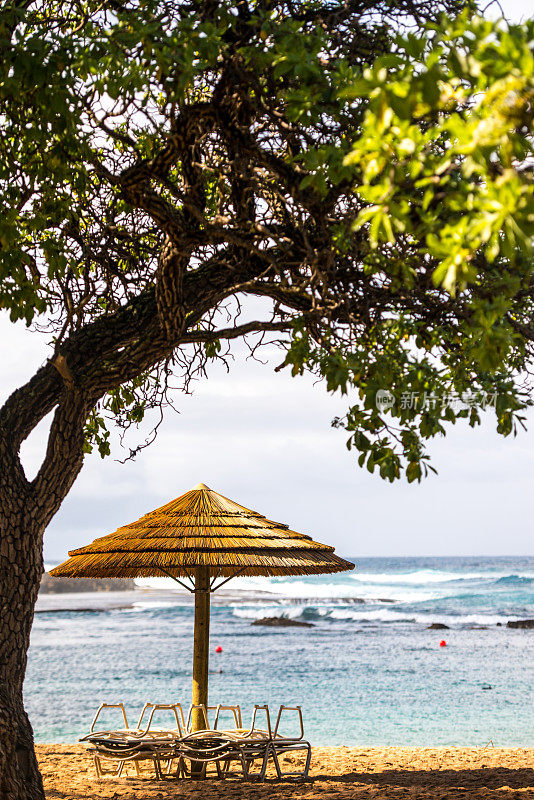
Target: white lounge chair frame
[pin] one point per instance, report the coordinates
(162, 747)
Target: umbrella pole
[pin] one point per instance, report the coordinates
(201, 645)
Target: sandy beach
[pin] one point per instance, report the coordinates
(337, 772)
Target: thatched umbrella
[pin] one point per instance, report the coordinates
(206, 539)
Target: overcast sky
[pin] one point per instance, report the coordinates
(265, 440)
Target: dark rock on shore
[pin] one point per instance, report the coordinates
(438, 626)
(282, 622)
(520, 623)
(50, 585)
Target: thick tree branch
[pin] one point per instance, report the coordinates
(64, 450)
(254, 326)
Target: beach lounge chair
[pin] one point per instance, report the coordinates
(140, 730)
(220, 746)
(281, 744)
(244, 746)
(262, 744)
(99, 739)
(214, 743)
(249, 744)
(101, 708)
(218, 713)
(235, 711)
(163, 747)
(143, 743)
(152, 708)
(266, 743)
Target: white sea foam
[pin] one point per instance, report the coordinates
(363, 614)
(258, 612)
(303, 590)
(421, 585)
(391, 615)
(150, 605)
(423, 576)
(384, 615)
(296, 588)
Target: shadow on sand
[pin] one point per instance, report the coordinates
(348, 786)
(491, 778)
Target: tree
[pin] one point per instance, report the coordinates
(443, 166)
(164, 161)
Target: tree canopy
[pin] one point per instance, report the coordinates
(364, 166)
(442, 162)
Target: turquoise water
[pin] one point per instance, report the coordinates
(368, 673)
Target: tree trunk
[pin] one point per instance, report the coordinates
(20, 778)
(25, 511)
(21, 568)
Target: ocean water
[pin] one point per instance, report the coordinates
(368, 673)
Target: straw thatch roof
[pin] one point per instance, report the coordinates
(201, 528)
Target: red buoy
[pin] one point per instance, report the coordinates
(443, 643)
(218, 649)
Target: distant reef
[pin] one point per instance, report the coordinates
(282, 622)
(50, 585)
